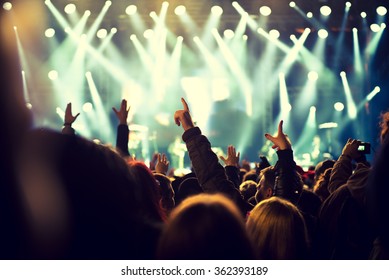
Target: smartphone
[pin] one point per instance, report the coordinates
(364, 147)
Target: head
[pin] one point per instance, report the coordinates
(149, 190)
(250, 175)
(321, 167)
(248, 189)
(266, 184)
(277, 230)
(188, 187)
(167, 193)
(82, 201)
(321, 185)
(205, 227)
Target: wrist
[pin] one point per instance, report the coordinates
(67, 124)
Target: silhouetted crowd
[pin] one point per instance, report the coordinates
(63, 196)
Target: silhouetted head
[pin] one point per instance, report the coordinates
(205, 227)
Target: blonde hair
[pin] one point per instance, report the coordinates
(277, 230)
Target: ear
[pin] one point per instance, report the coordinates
(269, 192)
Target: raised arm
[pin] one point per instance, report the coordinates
(122, 129)
(288, 184)
(209, 172)
(69, 119)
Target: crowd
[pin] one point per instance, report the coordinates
(66, 197)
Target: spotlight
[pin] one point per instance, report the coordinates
(348, 5)
(87, 107)
(87, 13)
(29, 105)
(180, 38)
(375, 27)
(70, 9)
(309, 15)
(245, 37)
(108, 3)
(7, 6)
(102, 33)
(265, 11)
(355, 30)
(383, 25)
(313, 76)
(323, 33)
(312, 109)
(131, 10)
(229, 34)
(53, 75)
(325, 11)
(165, 4)
(343, 74)
(339, 106)
(292, 4)
(363, 15)
(132, 37)
(114, 30)
(180, 10)
(381, 10)
(50, 32)
(275, 34)
(149, 33)
(217, 10)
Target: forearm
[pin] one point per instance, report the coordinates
(68, 130)
(288, 184)
(122, 139)
(340, 173)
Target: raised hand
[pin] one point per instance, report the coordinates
(281, 140)
(232, 157)
(351, 149)
(69, 118)
(182, 117)
(162, 165)
(122, 114)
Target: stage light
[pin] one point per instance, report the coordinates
(229, 34)
(323, 33)
(275, 34)
(108, 3)
(131, 10)
(343, 74)
(363, 15)
(87, 13)
(245, 37)
(149, 33)
(29, 105)
(375, 27)
(381, 10)
(383, 25)
(102, 33)
(313, 76)
(87, 107)
(132, 37)
(348, 5)
(153, 15)
(7, 6)
(312, 109)
(180, 10)
(325, 11)
(50, 32)
(355, 30)
(309, 15)
(374, 92)
(339, 106)
(292, 4)
(114, 30)
(265, 11)
(53, 75)
(70, 9)
(217, 10)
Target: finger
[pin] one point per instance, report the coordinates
(116, 111)
(159, 157)
(186, 108)
(280, 127)
(75, 117)
(274, 146)
(222, 158)
(269, 137)
(238, 156)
